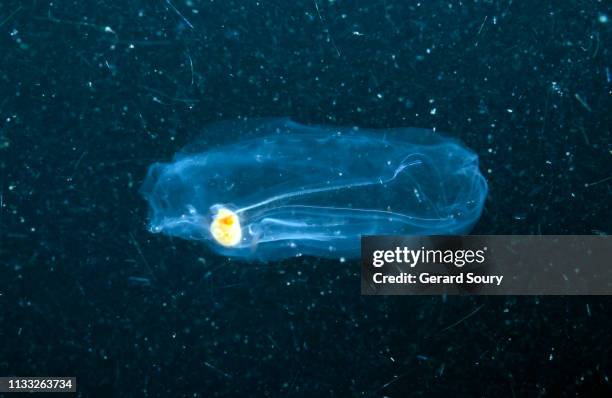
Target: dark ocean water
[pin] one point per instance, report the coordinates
(92, 92)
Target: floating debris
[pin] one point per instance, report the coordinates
(582, 102)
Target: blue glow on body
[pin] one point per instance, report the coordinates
(315, 190)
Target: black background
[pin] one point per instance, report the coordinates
(82, 115)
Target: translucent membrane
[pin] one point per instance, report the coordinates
(283, 189)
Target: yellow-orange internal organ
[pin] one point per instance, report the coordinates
(225, 228)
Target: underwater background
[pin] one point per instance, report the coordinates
(93, 92)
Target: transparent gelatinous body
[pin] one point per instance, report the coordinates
(282, 189)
